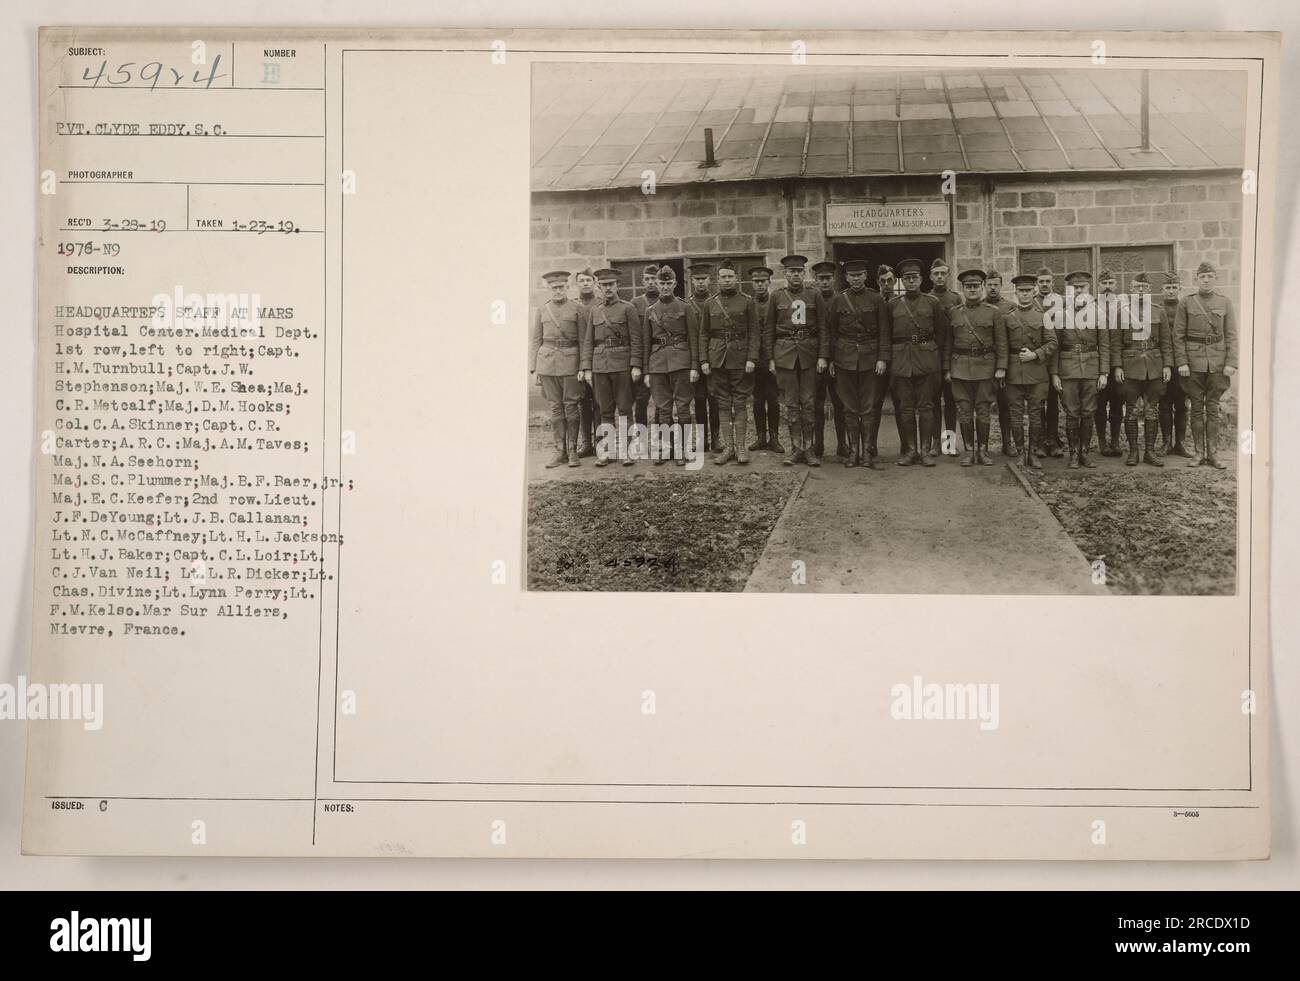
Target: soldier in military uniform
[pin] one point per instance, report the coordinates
(613, 336)
(824, 272)
(587, 298)
(1110, 400)
(851, 344)
(978, 364)
(885, 287)
(1082, 366)
(706, 406)
(1031, 352)
(557, 358)
(1173, 407)
(767, 395)
(1142, 360)
(1205, 349)
(1045, 298)
(728, 352)
(993, 296)
(916, 347)
(670, 358)
(945, 403)
(650, 293)
(792, 338)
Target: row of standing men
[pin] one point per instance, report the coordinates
(942, 357)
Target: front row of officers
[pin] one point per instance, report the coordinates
(974, 349)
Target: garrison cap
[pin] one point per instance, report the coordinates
(1079, 275)
(607, 276)
(726, 264)
(855, 266)
(794, 261)
(991, 274)
(559, 276)
(1206, 267)
(586, 272)
(938, 264)
(975, 274)
(701, 269)
(1104, 275)
(1171, 277)
(650, 269)
(667, 275)
(1142, 278)
(1044, 271)
(1024, 279)
(760, 272)
(908, 265)
(823, 267)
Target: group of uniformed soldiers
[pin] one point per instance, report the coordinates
(945, 358)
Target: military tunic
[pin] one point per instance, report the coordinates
(915, 343)
(945, 399)
(853, 342)
(793, 336)
(1173, 404)
(979, 350)
(555, 346)
(1082, 358)
(1205, 340)
(669, 355)
(1027, 381)
(767, 395)
(729, 339)
(1143, 353)
(616, 346)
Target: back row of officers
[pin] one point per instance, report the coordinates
(941, 356)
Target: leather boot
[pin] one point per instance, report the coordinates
(759, 444)
(1035, 437)
(1149, 456)
(928, 439)
(679, 445)
(572, 432)
(728, 451)
(1085, 442)
(792, 454)
(810, 454)
(1131, 432)
(774, 430)
(1198, 434)
(1180, 436)
(1114, 437)
(851, 458)
(628, 460)
(1072, 441)
(741, 423)
(1212, 439)
(905, 455)
(968, 443)
(559, 458)
(982, 454)
(658, 450)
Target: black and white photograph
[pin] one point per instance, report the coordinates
(926, 330)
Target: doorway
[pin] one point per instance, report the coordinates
(891, 253)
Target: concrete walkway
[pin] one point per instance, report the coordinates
(942, 529)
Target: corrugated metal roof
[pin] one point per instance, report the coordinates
(601, 125)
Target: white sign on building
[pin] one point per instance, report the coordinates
(912, 218)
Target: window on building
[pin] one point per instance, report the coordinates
(1060, 261)
(1126, 261)
(629, 284)
(743, 264)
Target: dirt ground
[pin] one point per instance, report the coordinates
(1160, 532)
(699, 531)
